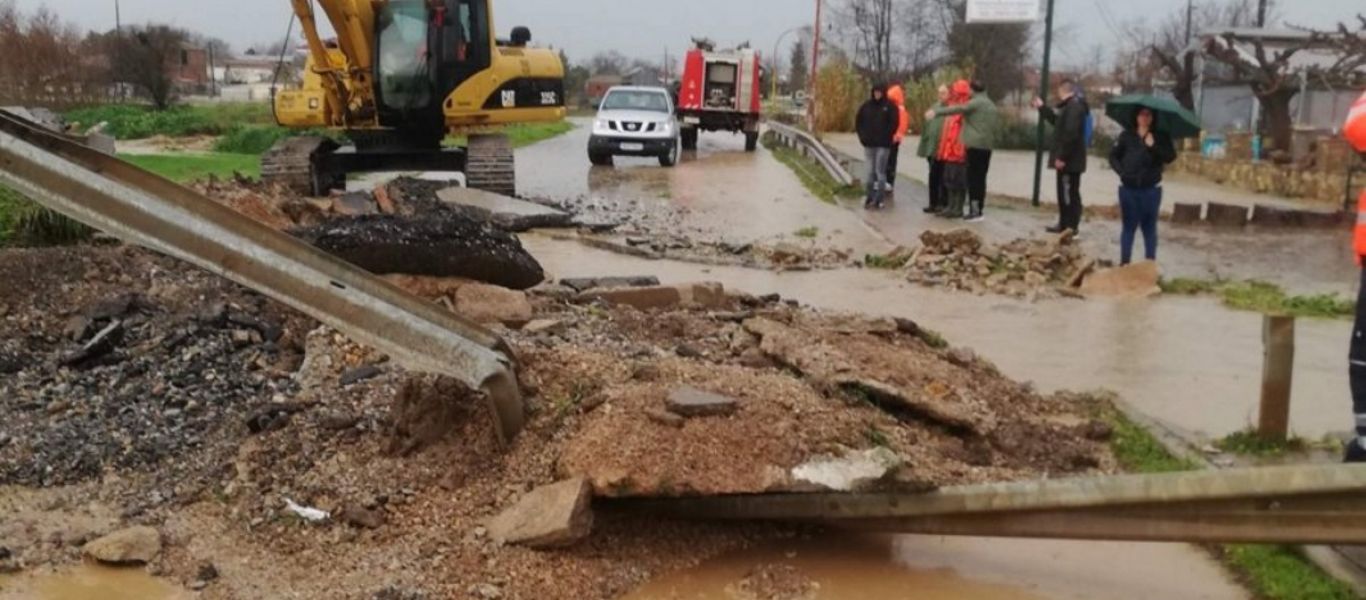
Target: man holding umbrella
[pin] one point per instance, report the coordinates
(1355, 132)
(1139, 156)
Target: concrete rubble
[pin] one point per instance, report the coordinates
(551, 516)
(854, 471)
(136, 545)
(506, 212)
(960, 260)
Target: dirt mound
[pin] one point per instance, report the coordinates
(215, 406)
(271, 205)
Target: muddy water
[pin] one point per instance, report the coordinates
(89, 582)
(932, 568)
(1187, 362)
(740, 197)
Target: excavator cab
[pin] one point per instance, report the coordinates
(402, 76)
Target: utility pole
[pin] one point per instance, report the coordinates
(1043, 93)
(815, 69)
(1261, 14)
(118, 19)
(1190, 18)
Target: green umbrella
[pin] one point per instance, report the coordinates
(1172, 118)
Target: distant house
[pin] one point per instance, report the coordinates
(646, 76)
(189, 68)
(235, 71)
(597, 87)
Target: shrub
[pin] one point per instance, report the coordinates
(130, 122)
(923, 94)
(248, 139)
(25, 222)
(839, 93)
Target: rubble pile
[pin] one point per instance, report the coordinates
(285, 457)
(271, 205)
(1025, 268)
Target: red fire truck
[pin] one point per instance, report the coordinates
(720, 91)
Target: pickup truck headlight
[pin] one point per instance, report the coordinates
(664, 126)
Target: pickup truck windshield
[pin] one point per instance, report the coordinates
(636, 100)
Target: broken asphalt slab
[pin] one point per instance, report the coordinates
(504, 211)
(688, 401)
(439, 244)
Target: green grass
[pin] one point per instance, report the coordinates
(808, 233)
(189, 167)
(812, 175)
(1249, 443)
(525, 134)
(130, 122)
(882, 261)
(1282, 573)
(1270, 572)
(23, 222)
(1137, 450)
(1264, 297)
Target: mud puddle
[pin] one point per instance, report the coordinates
(838, 567)
(89, 582)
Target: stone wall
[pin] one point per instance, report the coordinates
(1321, 177)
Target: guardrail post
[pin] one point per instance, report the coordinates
(1278, 338)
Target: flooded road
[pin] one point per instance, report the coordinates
(933, 568)
(89, 582)
(724, 192)
(1304, 261)
(1187, 362)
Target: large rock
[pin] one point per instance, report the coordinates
(504, 211)
(1138, 279)
(552, 516)
(136, 545)
(484, 303)
(688, 401)
(439, 244)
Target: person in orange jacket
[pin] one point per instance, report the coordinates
(898, 97)
(1355, 133)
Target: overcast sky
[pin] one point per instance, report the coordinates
(640, 28)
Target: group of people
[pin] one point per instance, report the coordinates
(961, 130)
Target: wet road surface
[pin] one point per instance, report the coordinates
(726, 193)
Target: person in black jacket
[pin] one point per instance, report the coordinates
(876, 125)
(1138, 157)
(1068, 154)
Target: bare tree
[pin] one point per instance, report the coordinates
(44, 61)
(870, 25)
(1268, 70)
(142, 56)
(609, 63)
(1167, 45)
(995, 53)
(797, 76)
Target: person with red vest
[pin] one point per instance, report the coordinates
(1355, 133)
(898, 97)
(954, 154)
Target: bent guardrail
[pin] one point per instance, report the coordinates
(812, 148)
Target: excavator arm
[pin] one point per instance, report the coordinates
(346, 72)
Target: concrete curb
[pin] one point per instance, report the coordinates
(1333, 560)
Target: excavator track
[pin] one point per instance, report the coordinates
(490, 165)
(293, 163)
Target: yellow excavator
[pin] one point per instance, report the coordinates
(400, 77)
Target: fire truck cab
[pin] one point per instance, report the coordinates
(720, 91)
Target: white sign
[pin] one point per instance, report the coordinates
(1003, 11)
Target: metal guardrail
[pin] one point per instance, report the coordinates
(142, 208)
(814, 149)
(1299, 504)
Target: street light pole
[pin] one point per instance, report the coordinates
(815, 70)
(1043, 93)
(118, 18)
(774, 92)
